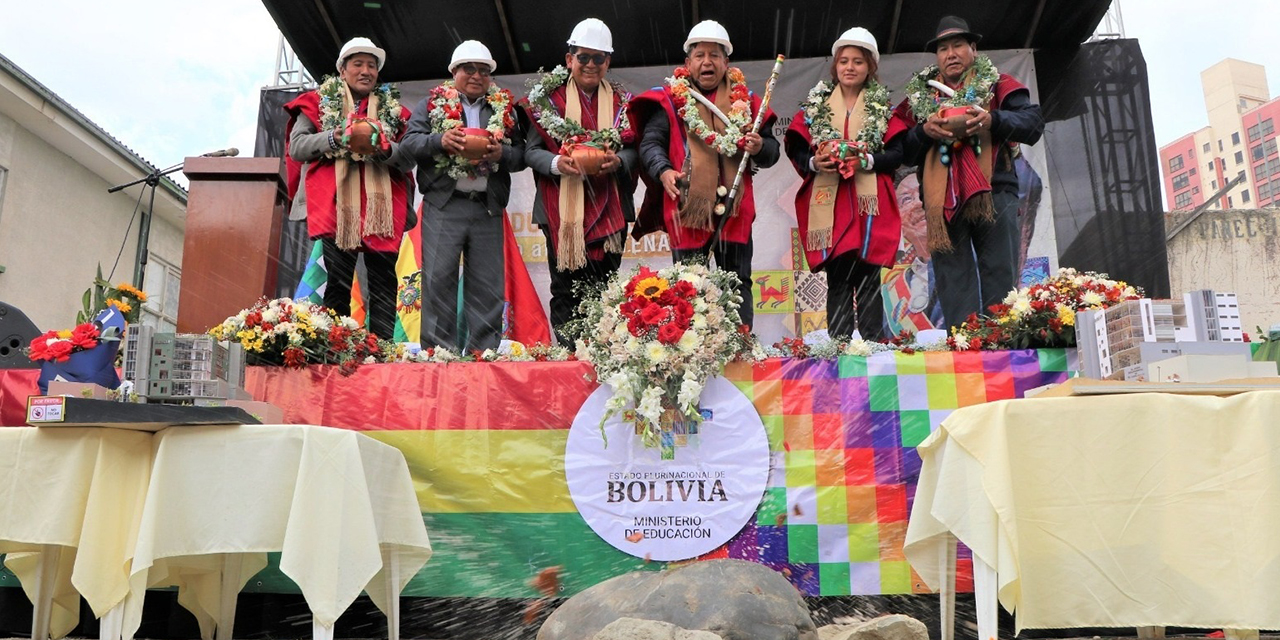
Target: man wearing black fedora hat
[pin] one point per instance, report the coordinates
(966, 121)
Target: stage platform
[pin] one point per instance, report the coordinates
(485, 445)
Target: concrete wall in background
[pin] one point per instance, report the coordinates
(1236, 250)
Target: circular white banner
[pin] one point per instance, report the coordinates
(676, 508)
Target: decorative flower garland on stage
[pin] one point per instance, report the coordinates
(817, 114)
(1042, 314)
(733, 139)
(979, 85)
(568, 132)
(389, 112)
(445, 113)
(295, 333)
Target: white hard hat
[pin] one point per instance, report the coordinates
(592, 33)
(472, 51)
(708, 31)
(361, 45)
(857, 37)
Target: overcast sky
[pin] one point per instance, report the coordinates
(172, 78)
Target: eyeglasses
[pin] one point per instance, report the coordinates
(598, 58)
(472, 69)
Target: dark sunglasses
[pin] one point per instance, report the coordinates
(472, 69)
(598, 58)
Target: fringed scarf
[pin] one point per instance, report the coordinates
(377, 184)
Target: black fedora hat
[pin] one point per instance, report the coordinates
(950, 27)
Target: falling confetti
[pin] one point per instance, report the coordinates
(531, 611)
(547, 582)
(636, 537)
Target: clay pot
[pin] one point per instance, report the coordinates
(955, 120)
(833, 147)
(477, 143)
(588, 158)
(361, 141)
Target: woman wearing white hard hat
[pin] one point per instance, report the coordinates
(348, 133)
(466, 142)
(691, 152)
(846, 146)
(581, 148)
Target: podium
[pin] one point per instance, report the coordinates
(231, 252)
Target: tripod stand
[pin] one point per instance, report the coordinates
(151, 180)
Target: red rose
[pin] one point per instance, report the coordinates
(683, 309)
(60, 350)
(669, 333)
(635, 326)
(710, 139)
(295, 357)
(668, 298)
(653, 314)
(975, 343)
(684, 289)
(682, 72)
(85, 336)
(39, 348)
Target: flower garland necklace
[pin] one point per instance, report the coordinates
(566, 131)
(445, 113)
(978, 87)
(733, 139)
(390, 114)
(875, 109)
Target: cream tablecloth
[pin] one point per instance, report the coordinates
(330, 500)
(1117, 511)
(81, 489)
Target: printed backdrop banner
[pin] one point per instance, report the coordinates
(485, 444)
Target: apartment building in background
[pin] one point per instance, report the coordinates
(1239, 144)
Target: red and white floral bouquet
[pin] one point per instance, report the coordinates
(656, 337)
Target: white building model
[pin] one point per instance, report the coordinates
(1120, 343)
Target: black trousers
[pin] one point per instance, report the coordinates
(729, 256)
(850, 280)
(981, 268)
(564, 298)
(380, 290)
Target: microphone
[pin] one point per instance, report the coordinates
(222, 153)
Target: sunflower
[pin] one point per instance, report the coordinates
(652, 287)
(123, 306)
(132, 291)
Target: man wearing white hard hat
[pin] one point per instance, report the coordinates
(966, 120)
(582, 150)
(465, 138)
(348, 134)
(690, 153)
(846, 147)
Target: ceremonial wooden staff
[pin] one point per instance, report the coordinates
(732, 199)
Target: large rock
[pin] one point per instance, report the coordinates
(635, 629)
(891, 627)
(736, 599)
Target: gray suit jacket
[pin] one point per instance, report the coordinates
(436, 186)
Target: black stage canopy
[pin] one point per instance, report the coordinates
(523, 35)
